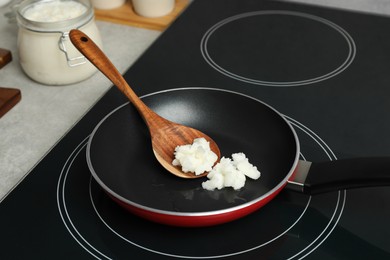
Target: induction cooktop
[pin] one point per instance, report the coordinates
(324, 69)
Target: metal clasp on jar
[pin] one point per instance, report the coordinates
(72, 61)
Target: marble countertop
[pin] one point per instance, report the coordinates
(46, 113)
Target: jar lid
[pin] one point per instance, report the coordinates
(54, 15)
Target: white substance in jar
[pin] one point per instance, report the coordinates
(54, 11)
(46, 53)
(231, 173)
(196, 157)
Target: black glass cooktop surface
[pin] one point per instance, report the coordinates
(324, 69)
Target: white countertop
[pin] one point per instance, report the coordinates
(46, 113)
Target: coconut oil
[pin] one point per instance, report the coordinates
(45, 52)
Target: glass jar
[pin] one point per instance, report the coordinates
(46, 53)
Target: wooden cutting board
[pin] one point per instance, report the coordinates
(126, 15)
(9, 97)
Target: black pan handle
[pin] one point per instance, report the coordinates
(321, 177)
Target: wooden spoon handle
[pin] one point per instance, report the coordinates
(96, 56)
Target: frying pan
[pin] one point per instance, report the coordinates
(121, 160)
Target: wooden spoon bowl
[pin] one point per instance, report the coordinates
(165, 135)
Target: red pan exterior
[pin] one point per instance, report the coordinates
(196, 221)
(189, 220)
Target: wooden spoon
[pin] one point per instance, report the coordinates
(165, 135)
